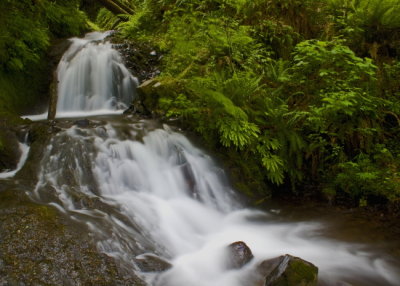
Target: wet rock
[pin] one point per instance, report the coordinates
(146, 100)
(140, 58)
(138, 108)
(9, 150)
(239, 254)
(152, 263)
(287, 270)
(147, 87)
(151, 90)
(82, 123)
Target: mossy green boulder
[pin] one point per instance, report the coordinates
(288, 270)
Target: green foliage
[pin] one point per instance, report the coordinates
(222, 114)
(273, 163)
(22, 90)
(27, 30)
(106, 19)
(64, 18)
(371, 27)
(28, 25)
(367, 177)
(279, 37)
(137, 22)
(24, 39)
(338, 88)
(331, 66)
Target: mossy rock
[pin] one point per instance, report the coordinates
(288, 270)
(40, 247)
(150, 91)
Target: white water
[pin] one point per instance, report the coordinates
(74, 114)
(92, 80)
(92, 77)
(24, 148)
(167, 197)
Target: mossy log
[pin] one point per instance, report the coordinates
(116, 7)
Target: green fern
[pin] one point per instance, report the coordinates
(237, 133)
(273, 163)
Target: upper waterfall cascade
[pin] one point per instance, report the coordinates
(92, 77)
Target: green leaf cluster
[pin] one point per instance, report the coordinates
(27, 27)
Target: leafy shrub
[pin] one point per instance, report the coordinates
(371, 27)
(29, 27)
(368, 177)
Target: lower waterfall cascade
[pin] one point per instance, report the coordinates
(157, 193)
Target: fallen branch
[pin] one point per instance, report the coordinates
(116, 7)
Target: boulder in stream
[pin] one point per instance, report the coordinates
(239, 254)
(287, 270)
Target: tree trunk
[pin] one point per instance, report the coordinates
(51, 115)
(116, 7)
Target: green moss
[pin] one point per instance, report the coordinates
(301, 273)
(22, 90)
(16, 198)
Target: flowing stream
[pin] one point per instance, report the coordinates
(144, 188)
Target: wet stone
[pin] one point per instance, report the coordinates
(152, 263)
(239, 254)
(82, 123)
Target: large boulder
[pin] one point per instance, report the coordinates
(239, 254)
(287, 270)
(150, 91)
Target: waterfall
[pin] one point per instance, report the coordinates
(145, 189)
(92, 78)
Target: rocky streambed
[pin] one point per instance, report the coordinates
(39, 245)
